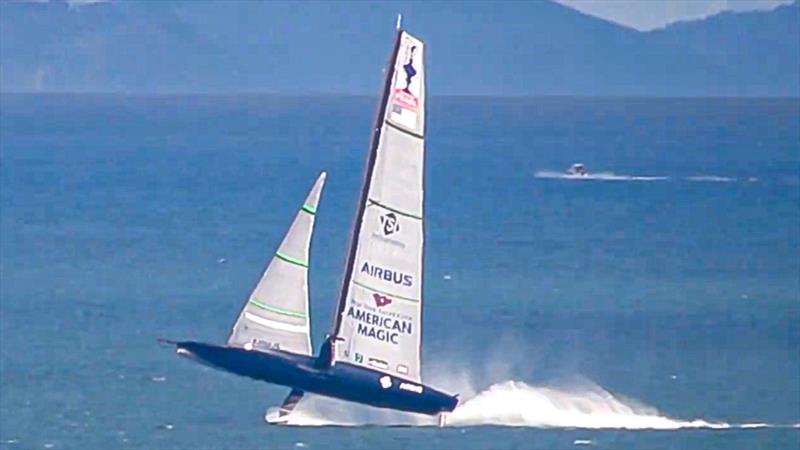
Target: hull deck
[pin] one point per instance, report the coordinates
(343, 381)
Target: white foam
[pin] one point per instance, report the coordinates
(581, 404)
(712, 178)
(514, 403)
(754, 425)
(600, 176)
(317, 411)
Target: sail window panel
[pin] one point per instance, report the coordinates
(283, 288)
(295, 244)
(397, 178)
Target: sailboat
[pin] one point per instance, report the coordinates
(372, 352)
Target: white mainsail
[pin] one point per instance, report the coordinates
(379, 315)
(276, 314)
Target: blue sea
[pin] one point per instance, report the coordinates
(652, 305)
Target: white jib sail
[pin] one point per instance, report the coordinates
(276, 315)
(379, 315)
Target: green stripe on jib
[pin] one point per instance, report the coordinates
(283, 312)
(309, 209)
(291, 260)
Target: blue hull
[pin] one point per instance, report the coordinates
(342, 380)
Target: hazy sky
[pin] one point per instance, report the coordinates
(650, 14)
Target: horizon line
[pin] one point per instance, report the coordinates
(361, 95)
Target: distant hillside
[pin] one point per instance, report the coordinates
(478, 48)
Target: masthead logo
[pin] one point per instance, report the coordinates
(411, 72)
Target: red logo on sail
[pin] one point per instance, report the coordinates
(405, 99)
(381, 300)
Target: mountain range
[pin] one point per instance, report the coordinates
(474, 48)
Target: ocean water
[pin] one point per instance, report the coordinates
(654, 304)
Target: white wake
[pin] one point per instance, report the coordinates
(714, 179)
(513, 404)
(600, 176)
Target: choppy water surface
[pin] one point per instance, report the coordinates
(653, 304)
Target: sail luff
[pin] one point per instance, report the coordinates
(276, 313)
(375, 140)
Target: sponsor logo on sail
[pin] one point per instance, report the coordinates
(403, 99)
(381, 300)
(379, 326)
(401, 368)
(359, 358)
(393, 276)
(390, 224)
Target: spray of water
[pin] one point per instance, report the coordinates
(514, 403)
(610, 176)
(574, 403)
(510, 403)
(600, 176)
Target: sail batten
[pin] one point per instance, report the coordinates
(292, 260)
(272, 309)
(275, 314)
(404, 130)
(379, 315)
(402, 213)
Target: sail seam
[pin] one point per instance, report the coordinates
(281, 311)
(404, 130)
(310, 209)
(402, 213)
(291, 260)
(409, 299)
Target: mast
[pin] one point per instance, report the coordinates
(376, 138)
